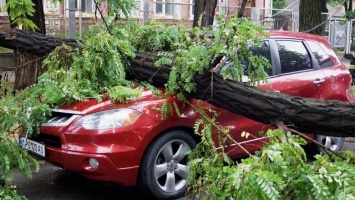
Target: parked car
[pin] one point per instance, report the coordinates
(130, 143)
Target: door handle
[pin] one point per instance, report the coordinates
(318, 81)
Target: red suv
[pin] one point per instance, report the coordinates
(130, 143)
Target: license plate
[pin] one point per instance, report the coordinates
(33, 146)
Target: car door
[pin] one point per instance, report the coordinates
(297, 72)
(293, 71)
(238, 124)
(337, 85)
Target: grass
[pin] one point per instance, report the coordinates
(5, 50)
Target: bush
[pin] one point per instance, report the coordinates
(278, 171)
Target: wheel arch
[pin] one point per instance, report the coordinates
(186, 129)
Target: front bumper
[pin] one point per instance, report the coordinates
(79, 163)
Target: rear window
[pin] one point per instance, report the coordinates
(322, 57)
(293, 56)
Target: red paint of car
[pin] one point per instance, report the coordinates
(121, 152)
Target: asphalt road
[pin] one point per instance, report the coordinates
(53, 183)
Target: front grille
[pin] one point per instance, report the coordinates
(50, 140)
(60, 118)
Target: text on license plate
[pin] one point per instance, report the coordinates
(32, 146)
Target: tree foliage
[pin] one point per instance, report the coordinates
(346, 3)
(99, 68)
(279, 4)
(190, 50)
(14, 104)
(19, 11)
(14, 119)
(310, 16)
(278, 171)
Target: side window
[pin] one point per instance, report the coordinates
(321, 56)
(293, 56)
(264, 51)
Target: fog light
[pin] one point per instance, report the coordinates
(93, 163)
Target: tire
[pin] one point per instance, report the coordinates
(163, 171)
(334, 143)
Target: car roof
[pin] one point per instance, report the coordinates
(297, 35)
(306, 36)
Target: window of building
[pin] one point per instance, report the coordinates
(293, 56)
(86, 5)
(268, 8)
(221, 7)
(165, 7)
(192, 9)
(50, 6)
(136, 11)
(2, 5)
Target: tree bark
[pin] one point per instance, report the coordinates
(29, 50)
(348, 6)
(333, 118)
(323, 5)
(29, 67)
(31, 42)
(325, 117)
(205, 9)
(324, 9)
(242, 9)
(310, 16)
(38, 16)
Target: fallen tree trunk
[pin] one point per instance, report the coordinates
(333, 118)
(325, 117)
(34, 47)
(32, 42)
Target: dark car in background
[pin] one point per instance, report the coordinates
(130, 144)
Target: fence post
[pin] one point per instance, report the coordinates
(72, 19)
(145, 12)
(255, 15)
(348, 37)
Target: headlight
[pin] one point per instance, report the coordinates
(109, 119)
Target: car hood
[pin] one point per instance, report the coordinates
(93, 105)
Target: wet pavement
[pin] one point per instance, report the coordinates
(53, 183)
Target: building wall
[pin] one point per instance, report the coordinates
(186, 9)
(4, 23)
(57, 22)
